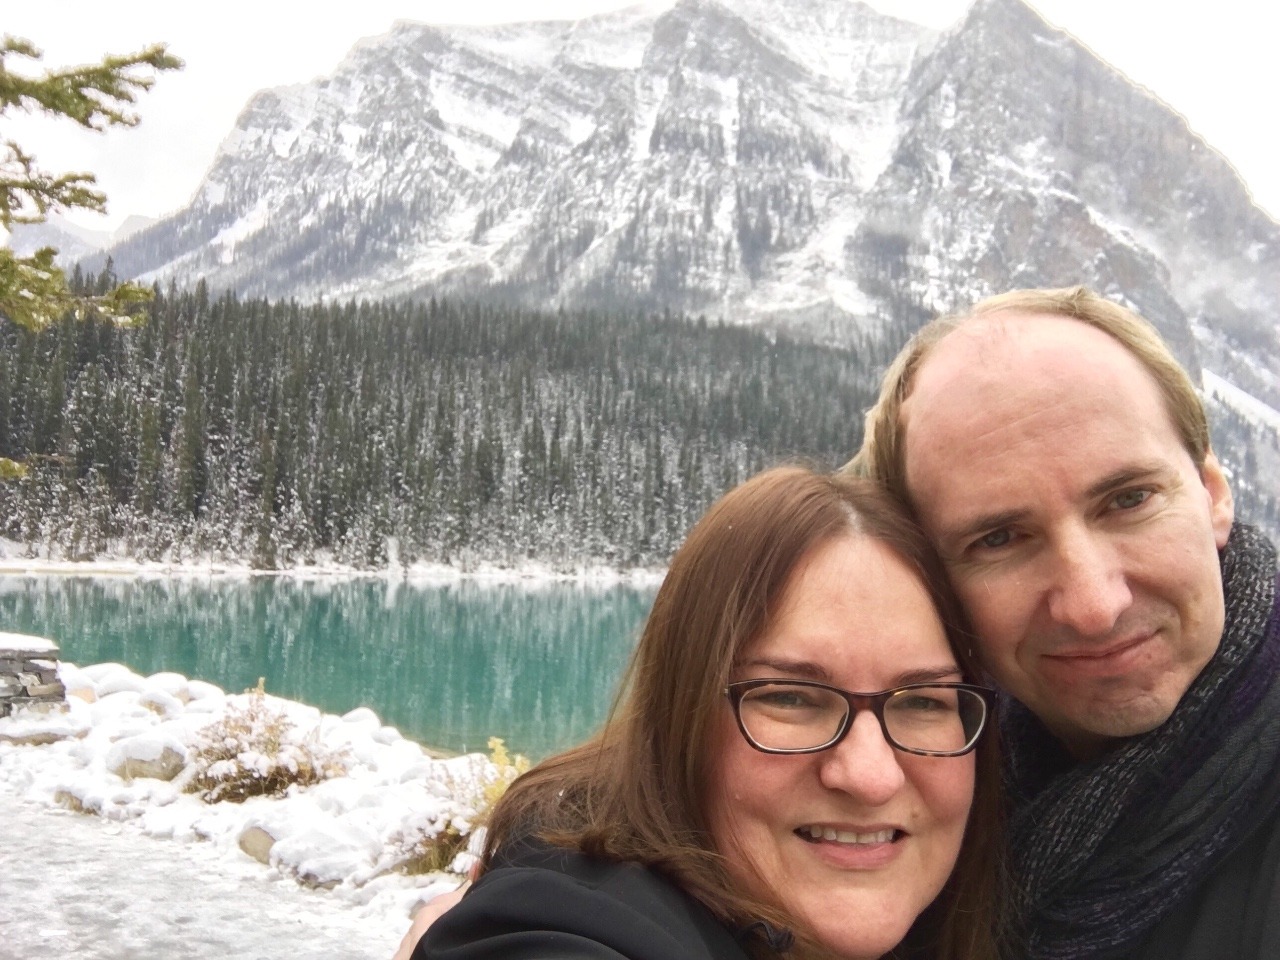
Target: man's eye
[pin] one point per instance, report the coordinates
(995, 539)
(1130, 499)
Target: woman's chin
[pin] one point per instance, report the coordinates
(855, 934)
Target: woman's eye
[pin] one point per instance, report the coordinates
(784, 699)
(919, 703)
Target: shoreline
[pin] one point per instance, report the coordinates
(416, 574)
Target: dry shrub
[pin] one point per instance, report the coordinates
(507, 768)
(255, 750)
(65, 798)
(433, 845)
(430, 852)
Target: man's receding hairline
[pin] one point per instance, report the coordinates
(994, 324)
(998, 327)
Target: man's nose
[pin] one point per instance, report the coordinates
(1090, 589)
(863, 764)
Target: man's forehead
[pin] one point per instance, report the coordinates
(997, 356)
(1002, 384)
(990, 340)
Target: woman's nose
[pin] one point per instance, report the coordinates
(863, 764)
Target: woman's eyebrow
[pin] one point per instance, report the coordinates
(808, 670)
(929, 675)
(804, 669)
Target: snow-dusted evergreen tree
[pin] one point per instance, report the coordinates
(33, 291)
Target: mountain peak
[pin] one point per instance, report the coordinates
(813, 164)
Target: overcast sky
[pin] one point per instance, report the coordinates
(1214, 62)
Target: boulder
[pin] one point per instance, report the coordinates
(121, 681)
(147, 755)
(257, 842)
(158, 701)
(37, 722)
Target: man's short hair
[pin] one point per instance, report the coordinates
(883, 452)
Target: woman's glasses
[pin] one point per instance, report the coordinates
(804, 716)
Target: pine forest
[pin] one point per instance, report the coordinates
(280, 434)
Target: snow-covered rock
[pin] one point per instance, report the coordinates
(158, 756)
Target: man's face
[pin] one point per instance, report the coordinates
(1077, 531)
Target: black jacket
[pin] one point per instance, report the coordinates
(552, 903)
(1235, 914)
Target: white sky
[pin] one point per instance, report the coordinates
(1213, 62)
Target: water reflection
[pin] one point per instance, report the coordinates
(449, 665)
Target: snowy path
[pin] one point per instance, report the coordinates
(79, 886)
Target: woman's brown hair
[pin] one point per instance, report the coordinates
(637, 791)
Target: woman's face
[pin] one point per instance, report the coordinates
(856, 840)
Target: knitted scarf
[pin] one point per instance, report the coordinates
(1105, 849)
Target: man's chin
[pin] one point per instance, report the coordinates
(1102, 724)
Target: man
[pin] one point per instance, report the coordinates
(1058, 457)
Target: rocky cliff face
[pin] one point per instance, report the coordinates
(1025, 161)
(709, 159)
(812, 164)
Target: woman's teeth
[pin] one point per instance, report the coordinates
(846, 836)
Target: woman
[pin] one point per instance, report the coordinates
(740, 801)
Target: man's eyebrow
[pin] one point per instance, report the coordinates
(983, 523)
(1125, 476)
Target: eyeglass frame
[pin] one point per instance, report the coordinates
(875, 702)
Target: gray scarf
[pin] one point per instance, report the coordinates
(1103, 850)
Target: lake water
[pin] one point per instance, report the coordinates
(449, 665)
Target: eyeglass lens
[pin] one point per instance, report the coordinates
(782, 716)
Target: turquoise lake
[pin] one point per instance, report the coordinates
(449, 665)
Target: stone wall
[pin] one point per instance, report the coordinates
(28, 672)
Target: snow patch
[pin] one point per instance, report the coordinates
(498, 122)
(1247, 405)
(242, 229)
(533, 44)
(580, 128)
(615, 40)
(943, 161)
(283, 141)
(214, 192)
(350, 133)
(470, 153)
(27, 642)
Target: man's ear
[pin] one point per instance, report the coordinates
(1222, 505)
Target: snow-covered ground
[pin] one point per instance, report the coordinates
(150, 871)
(77, 886)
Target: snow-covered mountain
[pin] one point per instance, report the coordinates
(698, 159)
(811, 164)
